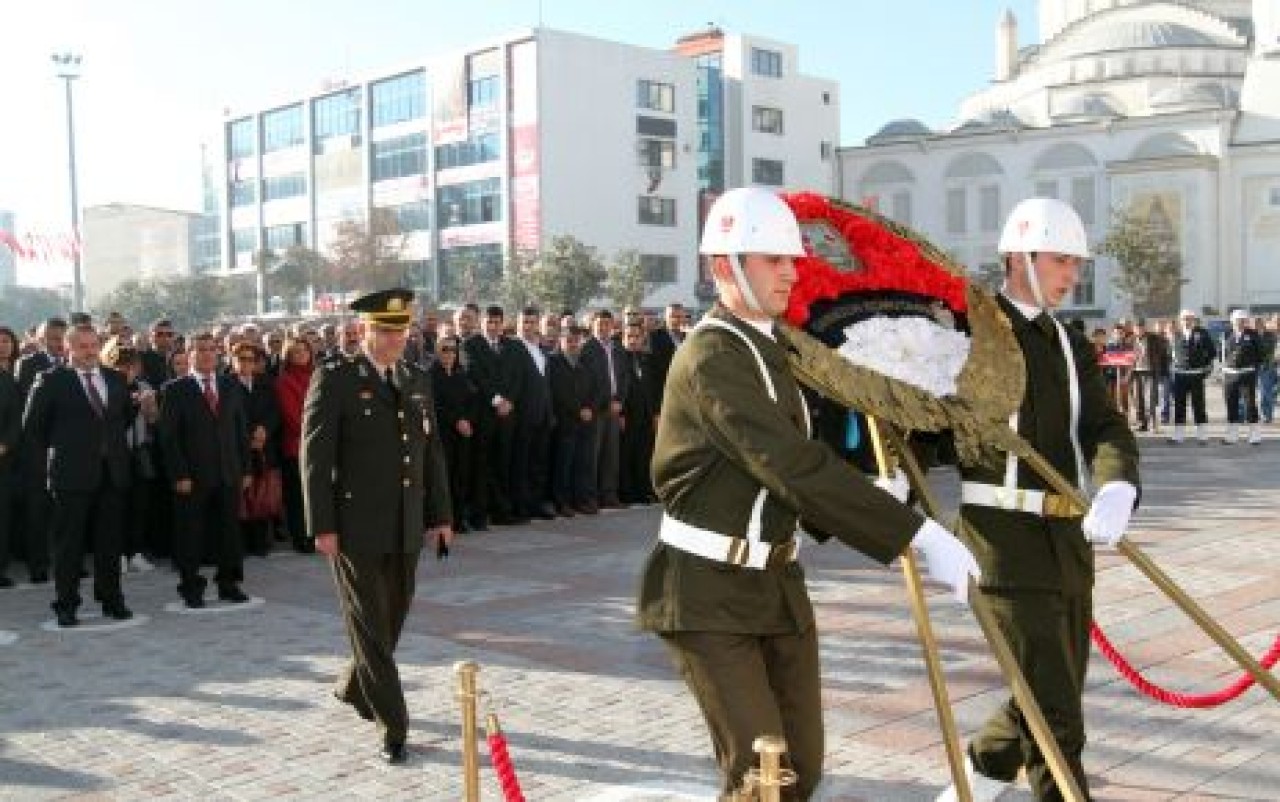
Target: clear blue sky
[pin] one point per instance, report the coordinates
(157, 73)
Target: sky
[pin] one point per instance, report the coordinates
(157, 75)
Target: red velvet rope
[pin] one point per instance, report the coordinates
(1173, 698)
(504, 768)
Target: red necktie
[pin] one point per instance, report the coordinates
(210, 397)
(95, 398)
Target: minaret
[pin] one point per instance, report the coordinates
(1266, 27)
(1006, 46)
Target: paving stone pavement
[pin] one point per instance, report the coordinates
(234, 704)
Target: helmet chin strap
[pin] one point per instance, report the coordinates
(740, 276)
(1034, 280)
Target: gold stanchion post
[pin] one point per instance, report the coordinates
(928, 644)
(465, 671)
(770, 777)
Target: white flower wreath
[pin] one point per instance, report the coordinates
(911, 349)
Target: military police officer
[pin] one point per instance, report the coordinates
(735, 469)
(1193, 354)
(376, 491)
(1034, 547)
(1241, 362)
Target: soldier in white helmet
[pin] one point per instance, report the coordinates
(1193, 353)
(736, 471)
(1034, 547)
(1241, 361)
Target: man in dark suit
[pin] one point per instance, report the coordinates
(155, 359)
(75, 424)
(573, 393)
(663, 343)
(51, 336)
(606, 359)
(206, 447)
(10, 431)
(531, 447)
(376, 490)
(481, 356)
(639, 410)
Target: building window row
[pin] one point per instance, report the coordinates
(479, 149)
(336, 115)
(655, 211)
(243, 193)
(241, 139)
(471, 203)
(658, 268)
(410, 217)
(766, 120)
(655, 152)
(281, 238)
(482, 92)
(244, 240)
(282, 128)
(1080, 191)
(767, 63)
(655, 126)
(395, 100)
(769, 172)
(400, 157)
(656, 95)
(280, 187)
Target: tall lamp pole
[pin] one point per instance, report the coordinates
(68, 69)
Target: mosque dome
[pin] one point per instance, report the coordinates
(903, 130)
(1137, 34)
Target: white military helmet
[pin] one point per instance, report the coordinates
(1041, 225)
(751, 220)
(1239, 314)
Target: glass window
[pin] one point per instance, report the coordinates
(415, 216)
(241, 138)
(243, 193)
(1083, 293)
(400, 157)
(470, 203)
(336, 115)
(1084, 198)
(769, 172)
(655, 126)
(824, 151)
(900, 207)
(280, 238)
(656, 211)
(1046, 189)
(655, 95)
(957, 211)
(657, 152)
(766, 120)
(279, 187)
(478, 149)
(244, 240)
(767, 63)
(657, 269)
(989, 209)
(401, 98)
(282, 128)
(482, 92)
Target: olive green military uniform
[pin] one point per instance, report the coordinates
(1037, 570)
(744, 638)
(373, 471)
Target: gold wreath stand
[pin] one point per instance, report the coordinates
(1039, 727)
(928, 643)
(1010, 441)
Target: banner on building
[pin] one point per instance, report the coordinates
(526, 190)
(450, 106)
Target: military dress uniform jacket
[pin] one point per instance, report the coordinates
(1242, 350)
(372, 463)
(1022, 550)
(721, 438)
(1193, 352)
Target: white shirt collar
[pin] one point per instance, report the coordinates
(765, 327)
(1028, 311)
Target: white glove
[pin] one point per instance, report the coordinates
(947, 559)
(1108, 516)
(897, 486)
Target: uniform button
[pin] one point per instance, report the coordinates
(400, 413)
(406, 460)
(407, 482)
(404, 437)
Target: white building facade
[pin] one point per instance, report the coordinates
(1169, 109)
(496, 149)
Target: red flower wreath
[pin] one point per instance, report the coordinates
(889, 261)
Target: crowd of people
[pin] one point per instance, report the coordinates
(142, 445)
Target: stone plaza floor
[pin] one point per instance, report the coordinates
(235, 704)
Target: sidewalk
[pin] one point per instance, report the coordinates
(236, 704)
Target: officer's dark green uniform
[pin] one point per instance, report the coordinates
(373, 471)
(1037, 569)
(744, 638)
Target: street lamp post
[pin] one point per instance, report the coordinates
(68, 69)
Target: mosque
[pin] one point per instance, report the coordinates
(1167, 109)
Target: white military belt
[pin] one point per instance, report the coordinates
(723, 548)
(1036, 502)
(1191, 371)
(1238, 370)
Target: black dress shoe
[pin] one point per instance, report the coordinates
(39, 577)
(565, 511)
(546, 512)
(6, 582)
(394, 753)
(66, 617)
(117, 610)
(193, 601)
(233, 594)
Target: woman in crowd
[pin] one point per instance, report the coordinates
(456, 397)
(145, 412)
(10, 420)
(262, 418)
(179, 363)
(291, 392)
(9, 349)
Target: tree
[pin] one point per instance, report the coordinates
(625, 283)
(301, 267)
(265, 260)
(471, 279)
(21, 307)
(515, 290)
(191, 301)
(1149, 261)
(568, 275)
(368, 255)
(139, 301)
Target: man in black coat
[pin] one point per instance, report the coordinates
(639, 412)
(75, 423)
(10, 430)
(531, 445)
(34, 501)
(607, 361)
(574, 399)
(155, 359)
(205, 440)
(482, 358)
(663, 343)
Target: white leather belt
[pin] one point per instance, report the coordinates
(1238, 370)
(1036, 502)
(1191, 371)
(724, 549)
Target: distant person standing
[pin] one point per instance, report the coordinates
(1151, 363)
(1269, 333)
(376, 491)
(51, 352)
(639, 414)
(1241, 361)
(1193, 355)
